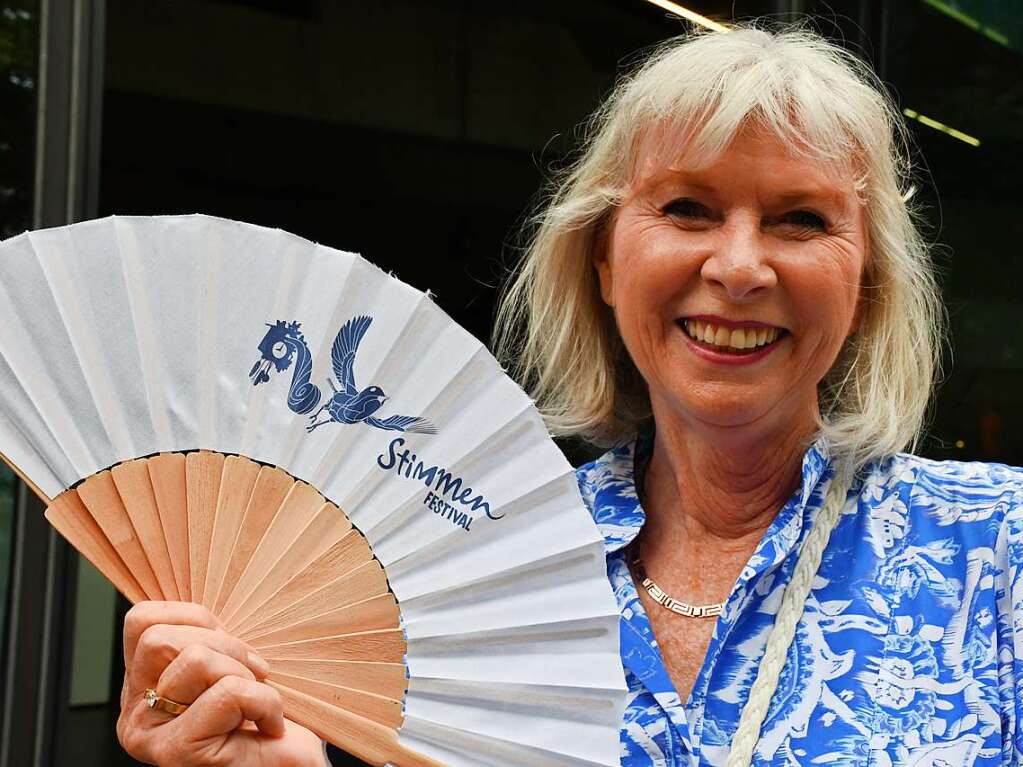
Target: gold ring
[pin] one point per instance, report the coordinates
(155, 700)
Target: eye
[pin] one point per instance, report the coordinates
(685, 207)
(806, 218)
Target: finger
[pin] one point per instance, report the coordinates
(146, 614)
(195, 669)
(125, 692)
(159, 645)
(228, 704)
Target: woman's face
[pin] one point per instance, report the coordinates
(759, 242)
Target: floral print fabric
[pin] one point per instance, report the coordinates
(909, 650)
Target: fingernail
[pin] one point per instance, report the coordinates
(258, 665)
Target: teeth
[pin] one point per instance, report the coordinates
(738, 339)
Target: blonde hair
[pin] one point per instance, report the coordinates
(557, 336)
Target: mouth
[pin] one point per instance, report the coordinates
(728, 340)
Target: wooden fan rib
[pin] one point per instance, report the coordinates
(27, 480)
(71, 519)
(235, 492)
(387, 646)
(328, 527)
(389, 680)
(379, 612)
(167, 474)
(348, 554)
(271, 488)
(135, 487)
(99, 495)
(366, 581)
(296, 512)
(372, 742)
(203, 473)
(376, 708)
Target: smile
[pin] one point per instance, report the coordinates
(738, 341)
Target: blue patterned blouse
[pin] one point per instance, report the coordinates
(910, 651)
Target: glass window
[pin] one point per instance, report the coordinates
(957, 66)
(8, 483)
(17, 114)
(17, 125)
(17, 137)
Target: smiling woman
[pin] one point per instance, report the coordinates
(816, 155)
(741, 257)
(728, 289)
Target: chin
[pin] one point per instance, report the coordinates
(728, 411)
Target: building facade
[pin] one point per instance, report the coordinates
(418, 132)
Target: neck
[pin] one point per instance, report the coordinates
(716, 489)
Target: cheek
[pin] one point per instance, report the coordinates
(650, 268)
(824, 292)
(651, 275)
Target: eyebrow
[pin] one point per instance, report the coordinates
(815, 193)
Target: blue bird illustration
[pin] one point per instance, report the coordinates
(350, 405)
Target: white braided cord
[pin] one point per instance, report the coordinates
(789, 614)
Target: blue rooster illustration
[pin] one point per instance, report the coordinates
(278, 348)
(348, 404)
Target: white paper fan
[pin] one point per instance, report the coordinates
(315, 451)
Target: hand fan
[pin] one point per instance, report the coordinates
(232, 415)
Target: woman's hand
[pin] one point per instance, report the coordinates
(180, 650)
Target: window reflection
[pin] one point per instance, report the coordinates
(8, 484)
(17, 113)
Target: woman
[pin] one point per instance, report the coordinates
(728, 287)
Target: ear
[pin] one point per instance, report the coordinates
(602, 263)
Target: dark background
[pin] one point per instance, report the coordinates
(419, 134)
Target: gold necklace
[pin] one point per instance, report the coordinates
(675, 605)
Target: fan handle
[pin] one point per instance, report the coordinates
(365, 739)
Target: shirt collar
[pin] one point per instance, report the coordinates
(608, 484)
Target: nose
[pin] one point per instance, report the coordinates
(739, 265)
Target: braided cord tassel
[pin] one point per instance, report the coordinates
(789, 614)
